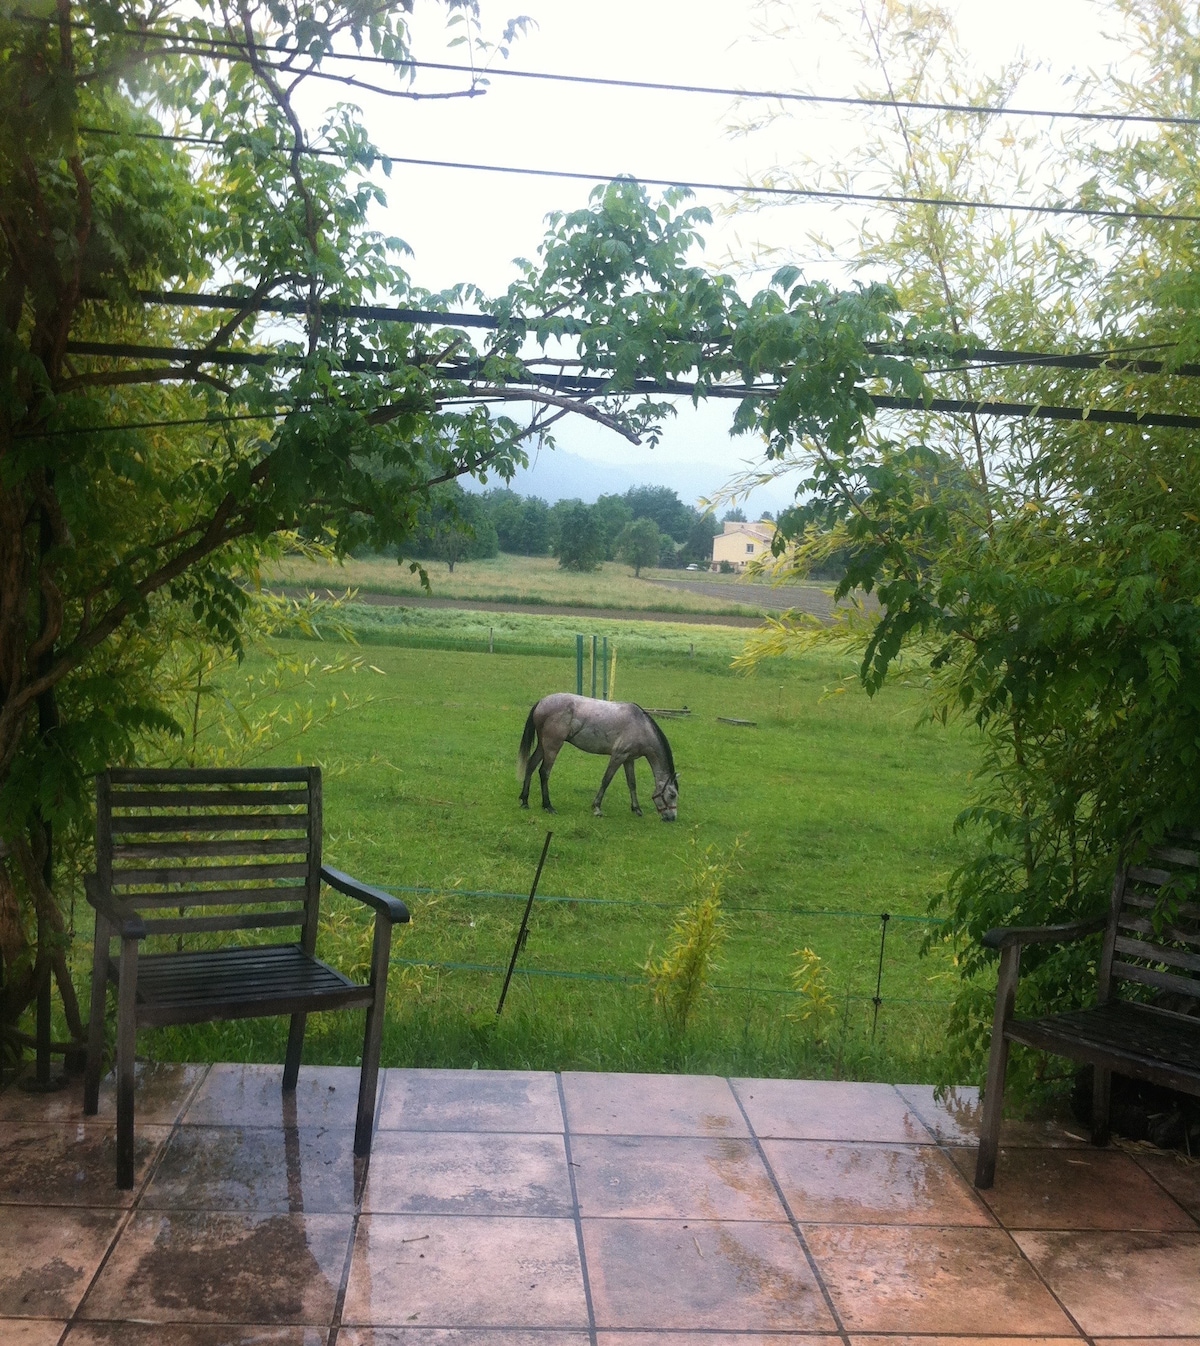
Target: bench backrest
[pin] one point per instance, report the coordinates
(176, 844)
(1153, 936)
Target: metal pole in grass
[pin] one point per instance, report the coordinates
(604, 668)
(523, 933)
(579, 665)
(593, 665)
(612, 681)
(491, 645)
(877, 999)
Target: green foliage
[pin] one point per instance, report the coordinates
(580, 542)
(611, 514)
(639, 544)
(522, 523)
(678, 978)
(1045, 576)
(810, 979)
(453, 526)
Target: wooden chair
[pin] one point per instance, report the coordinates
(1152, 943)
(242, 847)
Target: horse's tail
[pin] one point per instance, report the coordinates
(526, 744)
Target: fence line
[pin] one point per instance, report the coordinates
(622, 980)
(635, 902)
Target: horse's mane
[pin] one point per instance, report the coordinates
(662, 739)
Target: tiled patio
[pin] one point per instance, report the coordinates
(505, 1208)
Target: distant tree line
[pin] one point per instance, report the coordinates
(647, 526)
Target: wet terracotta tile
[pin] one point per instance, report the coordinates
(239, 1095)
(940, 1281)
(161, 1089)
(216, 1266)
(255, 1168)
(468, 1174)
(1075, 1189)
(857, 1340)
(651, 1105)
(470, 1100)
(1177, 1173)
(713, 1339)
(465, 1271)
(673, 1176)
(459, 1336)
(48, 1256)
(195, 1334)
(1121, 1284)
(697, 1274)
(872, 1184)
(829, 1110)
(72, 1165)
(1148, 1341)
(30, 1331)
(954, 1119)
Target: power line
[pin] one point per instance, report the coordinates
(797, 194)
(229, 49)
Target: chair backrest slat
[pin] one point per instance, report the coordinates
(168, 841)
(247, 920)
(1154, 930)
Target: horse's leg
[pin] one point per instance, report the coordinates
(548, 756)
(631, 777)
(611, 771)
(535, 759)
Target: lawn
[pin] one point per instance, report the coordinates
(523, 579)
(843, 808)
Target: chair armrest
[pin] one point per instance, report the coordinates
(129, 924)
(1006, 936)
(383, 903)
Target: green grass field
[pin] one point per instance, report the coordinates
(842, 805)
(524, 579)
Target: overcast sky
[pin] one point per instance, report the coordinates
(470, 226)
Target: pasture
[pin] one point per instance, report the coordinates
(841, 805)
(528, 580)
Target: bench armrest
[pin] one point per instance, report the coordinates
(1006, 936)
(129, 925)
(383, 903)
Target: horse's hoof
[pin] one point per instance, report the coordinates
(549, 808)
(637, 813)
(524, 803)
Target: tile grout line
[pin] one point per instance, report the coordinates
(139, 1192)
(839, 1326)
(339, 1303)
(1008, 1233)
(942, 1147)
(583, 1266)
(1162, 1186)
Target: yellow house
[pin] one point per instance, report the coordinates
(742, 543)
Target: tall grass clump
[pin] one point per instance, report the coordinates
(679, 978)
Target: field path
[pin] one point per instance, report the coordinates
(535, 609)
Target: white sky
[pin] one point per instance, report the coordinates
(469, 226)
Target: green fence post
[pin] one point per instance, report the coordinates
(593, 666)
(579, 665)
(604, 668)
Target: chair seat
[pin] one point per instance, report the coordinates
(1134, 1039)
(174, 988)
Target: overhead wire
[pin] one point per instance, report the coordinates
(228, 48)
(699, 185)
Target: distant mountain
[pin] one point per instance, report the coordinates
(555, 474)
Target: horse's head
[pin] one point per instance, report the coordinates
(666, 798)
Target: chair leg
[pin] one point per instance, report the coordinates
(373, 1039)
(993, 1096)
(126, 1045)
(95, 1046)
(1101, 1104)
(295, 1049)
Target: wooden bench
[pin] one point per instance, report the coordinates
(1152, 947)
(195, 856)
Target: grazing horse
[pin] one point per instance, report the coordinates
(618, 728)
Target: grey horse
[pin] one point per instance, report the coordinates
(619, 729)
